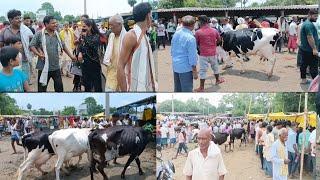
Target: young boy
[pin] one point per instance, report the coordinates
(16, 43)
(12, 80)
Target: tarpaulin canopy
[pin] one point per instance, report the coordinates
(100, 115)
(295, 117)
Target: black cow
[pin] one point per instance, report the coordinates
(37, 150)
(114, 142)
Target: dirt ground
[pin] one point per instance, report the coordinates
(286, 76)
(241, 164)
(9, 164)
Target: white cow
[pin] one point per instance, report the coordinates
(68, 143)
(245, 42)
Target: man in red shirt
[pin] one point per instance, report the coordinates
(207, 39)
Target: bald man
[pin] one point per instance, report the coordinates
(279, 156)
(205, 162)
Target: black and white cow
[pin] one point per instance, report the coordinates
(114, 142)
(38, 151)
(245, 42)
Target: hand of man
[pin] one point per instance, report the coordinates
(80, 57)
(74, 58)
(286, 161)
(195, 75)
(41, 56)
(315, 52)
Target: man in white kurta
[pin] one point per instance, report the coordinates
(279, 156)
(205, 162)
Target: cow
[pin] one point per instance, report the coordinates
(238, 133)
(228, 139)
(245, 42)
(114, 142)
(37, 151)
(68, 143)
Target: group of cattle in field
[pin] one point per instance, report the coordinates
(226, 139)
(101, 146)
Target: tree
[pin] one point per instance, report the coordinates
(69, 18)
(167, 4)
(42, 111)
(2, 19)
(113, 110)
(8, 105)
(32, 15)
(29, 106)
(132, 2)
(92, 106)
(69, 110)
(255, 4)
(57, 15)
(48, 7)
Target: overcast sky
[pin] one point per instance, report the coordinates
(95, 8)
(214, 98)
(54, 101)
(121, 99)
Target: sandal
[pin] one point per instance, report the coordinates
(221, 80)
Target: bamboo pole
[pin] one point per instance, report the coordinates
(304, 132)
(249, 107)
(299, 103)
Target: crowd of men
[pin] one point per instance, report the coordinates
(99, 59)
(278, 144)
(196, 41)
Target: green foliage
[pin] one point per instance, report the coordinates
(201, 105)
(32, 15)
(167, 4)
(255, 4)
(48, 7)
(69, 110)
(289, 2)
(132, 2)
(8, 105)
(93, 107)
(238, 104)
(42, 111)
(69, 18)
(29, 106)
(3, 18)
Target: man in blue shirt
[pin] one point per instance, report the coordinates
(292, 147)
(184, 56)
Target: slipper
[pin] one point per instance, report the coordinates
(199, 90)
(221, 80)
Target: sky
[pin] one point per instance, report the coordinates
(214, 98)
(103, 8)
(54, 101)
(121, 99)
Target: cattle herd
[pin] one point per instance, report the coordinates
(101, 146)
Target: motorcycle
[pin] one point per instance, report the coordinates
(165, 170)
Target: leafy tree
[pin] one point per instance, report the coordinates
(255, 4)
(69, 110)
(31, 14)
(167, 4)
(113, 110)
(93, 107)
(69, 18)
(8, 105)
(132, 2)
(48, 7)
(42, 111)
(29, 106)
(3, 18)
